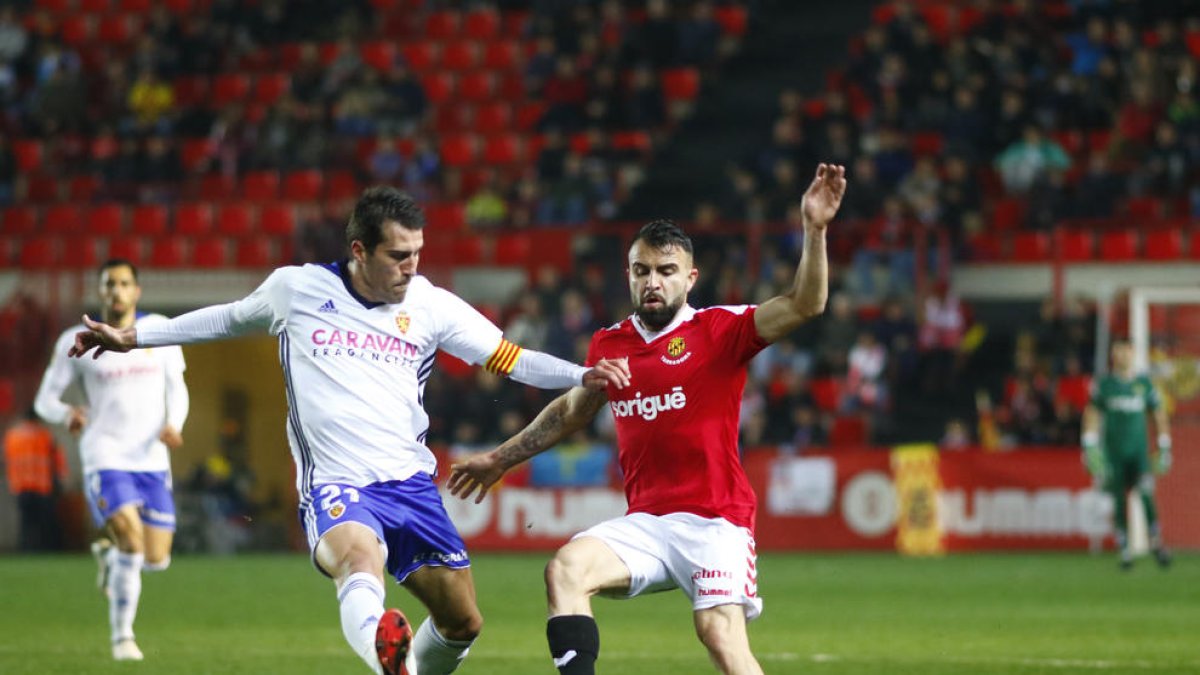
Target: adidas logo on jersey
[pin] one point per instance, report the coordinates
(328, 307)
(649, 407)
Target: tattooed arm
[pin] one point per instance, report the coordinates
(564, 416)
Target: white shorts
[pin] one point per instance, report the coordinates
(712, 560)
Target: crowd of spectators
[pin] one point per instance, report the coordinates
(118, 111)
(1065, 110)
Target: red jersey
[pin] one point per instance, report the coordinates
(677, 422)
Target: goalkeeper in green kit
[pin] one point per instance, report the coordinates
(1115, 446)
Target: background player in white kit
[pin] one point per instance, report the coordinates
(357, 341)
(691, 509)
(137, 404)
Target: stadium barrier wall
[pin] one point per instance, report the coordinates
(1028, 499)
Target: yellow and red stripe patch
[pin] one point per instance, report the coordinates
(504, 359)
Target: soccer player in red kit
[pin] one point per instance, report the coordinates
(691, 511)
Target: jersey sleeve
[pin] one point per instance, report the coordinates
(732, 327)
(593, 354)
(58, 376)
(265, 308)
(468, 335)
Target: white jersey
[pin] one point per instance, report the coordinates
(130, 398)
(355, 370)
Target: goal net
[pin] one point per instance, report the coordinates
(1164, 329)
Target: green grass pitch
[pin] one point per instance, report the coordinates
(824, 614)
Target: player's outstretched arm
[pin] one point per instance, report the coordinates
(782, 314)
(564, 416)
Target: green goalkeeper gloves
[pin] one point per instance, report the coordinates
(1093, 456)
(1162, 461)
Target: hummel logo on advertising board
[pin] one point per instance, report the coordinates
(328, 307)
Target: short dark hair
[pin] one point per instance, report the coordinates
(118, 262)
(663, 234)
(376, 206)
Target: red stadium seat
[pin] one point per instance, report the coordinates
(235, 220)
(39, 253)
(19, 220)
(446, 216)
(340, 185)
(260, 186)
(514, 249)
(28, 153)
(420, 56)
(127, 248)
(1031, 247)
(180, 6)
(985, 247)
(580, 143)
(270, 87)
(529, 114)
(328, 52)
(77, 29)
(468, 250)
(1008, 214)
(1075, 245)
(217, 187)
(1164, 244)
(382, 56)
(94, 6)
(481, 25)
(516, 23)
(928, 144)
(1074, 389)
(167, 252)
(439, 87)
(42, 188)
(148, 220)
(733, 20)
(191, 90)
(79, 252)
(826, 393)
(278, 219)
(136, 6)
(441, 25)
(1118, 245)
(476, 86)
(83, 188)
(848, 430)
(1144, 208)
(681, 84)
(193, 219)
(194, 152)
(54, 6)
(210, 253)
(493, 118)
(453, 118)
(105, 219)
(230, 88)
(253, 252)
(1192, 39)
(460, 55)
(512, 87)
(62, 219)
(503, 149)
(631, 140)
(117, 29)
(458, 150)
(303, 186)
(502, 55)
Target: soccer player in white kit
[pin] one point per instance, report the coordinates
(137, 404)
(691, 512)
(357, 341)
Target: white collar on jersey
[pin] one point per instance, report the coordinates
(684, 314)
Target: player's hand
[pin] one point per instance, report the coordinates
(103, 338)
(606, 372)
(824, 195)
(477, 472)
(76, 420)
(1162, 461)
(171, 437)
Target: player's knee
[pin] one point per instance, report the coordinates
(464, 628)
(564, 575)
(157, 564)
(717, 638)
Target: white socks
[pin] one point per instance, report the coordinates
(435, 655)
(361, 600)
(124, 590)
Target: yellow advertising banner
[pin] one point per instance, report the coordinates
(915, 471)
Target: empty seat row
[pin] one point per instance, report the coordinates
(1081, 246)
(150, 220)
(47, 252)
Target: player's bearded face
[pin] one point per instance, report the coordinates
(119, 291)
(659, 281)
(389, 268)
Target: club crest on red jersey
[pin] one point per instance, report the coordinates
(676, 346)
(402, 322)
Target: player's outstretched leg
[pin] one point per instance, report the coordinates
(444, 639)
(100, 552)
(722, 629)
(393, 641)
(579, 570)
(1146, 492)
